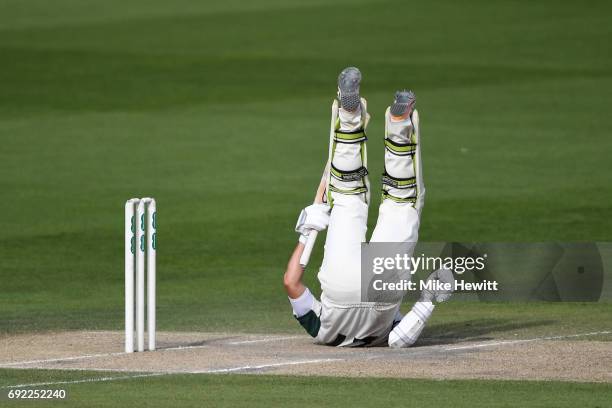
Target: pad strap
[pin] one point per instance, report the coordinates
(349, 191)
(356, 136)
(398, 182)
(385, 194)
(400, 149)
(353, 175)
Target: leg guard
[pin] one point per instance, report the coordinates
(406, 333)
(347, 191)
(348, 155)
(403, 180)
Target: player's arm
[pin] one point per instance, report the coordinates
(293, 274)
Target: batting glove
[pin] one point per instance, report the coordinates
(314, 217)
(437, 293)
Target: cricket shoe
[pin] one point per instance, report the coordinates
(348, 89)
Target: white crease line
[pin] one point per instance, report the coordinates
(54, 360)
(176, 348)
(262, 366)
(182, 348)
(92, 356)
(86, 380)
(157, 374)
(235, 343)
(96, 369)
(510, 342)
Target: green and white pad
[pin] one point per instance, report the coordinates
(402, 180)
(348, 156)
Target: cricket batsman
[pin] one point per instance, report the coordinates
(341, 318)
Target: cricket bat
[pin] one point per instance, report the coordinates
(312, 236)
(320, 196)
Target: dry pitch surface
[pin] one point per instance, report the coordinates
(568, 358)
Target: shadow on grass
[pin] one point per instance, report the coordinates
(476, 329)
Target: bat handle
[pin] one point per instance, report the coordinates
(312, 238)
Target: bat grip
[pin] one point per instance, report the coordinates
(312, 238)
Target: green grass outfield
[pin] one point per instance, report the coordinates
(265, 391)
(220, 111)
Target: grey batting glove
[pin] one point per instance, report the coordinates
(314, 217)
(440, 288)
